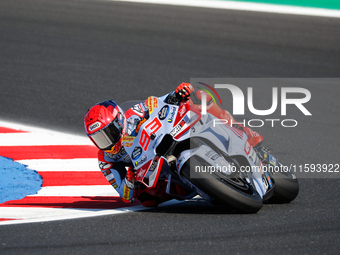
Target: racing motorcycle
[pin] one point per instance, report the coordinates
(177, 143)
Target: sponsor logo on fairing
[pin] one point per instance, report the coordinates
(137, 151)
(163, 113)
(152, 103)
(177, 129)
(172, 114)
(141, 161)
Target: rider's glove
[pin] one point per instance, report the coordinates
(130, 179)
(183, 91)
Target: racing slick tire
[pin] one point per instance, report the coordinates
(225, 191)
(286, 187)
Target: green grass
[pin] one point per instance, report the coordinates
(327, 4)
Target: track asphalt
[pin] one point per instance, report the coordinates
(58, 58)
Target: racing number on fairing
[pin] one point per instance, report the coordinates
(149, 129)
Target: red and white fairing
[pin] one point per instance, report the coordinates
(163, 119)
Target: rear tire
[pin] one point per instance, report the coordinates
(237, 194)
(286, 188)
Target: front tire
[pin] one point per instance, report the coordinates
(226, 191)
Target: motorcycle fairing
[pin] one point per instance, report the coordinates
(150, 134)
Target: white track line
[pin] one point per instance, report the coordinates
(39, 136)
(52, 214)
(87, 191)
(60, 165)
(39, 139)
(246, 6)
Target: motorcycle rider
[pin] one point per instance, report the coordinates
(108, 127)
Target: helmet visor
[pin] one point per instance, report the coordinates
(107, 137)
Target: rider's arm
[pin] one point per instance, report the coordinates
(115, 173)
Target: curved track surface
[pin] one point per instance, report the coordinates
(58, 58)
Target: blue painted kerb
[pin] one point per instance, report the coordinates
(17, 181)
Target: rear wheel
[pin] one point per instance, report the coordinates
(286, 187)
(226, 190)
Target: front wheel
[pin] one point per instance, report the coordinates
(234, 192)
